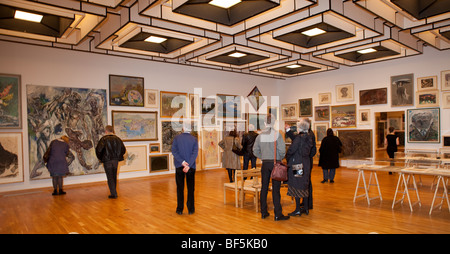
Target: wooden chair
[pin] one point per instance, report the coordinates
(241, 186)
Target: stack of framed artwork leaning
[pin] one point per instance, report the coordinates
(422, 122)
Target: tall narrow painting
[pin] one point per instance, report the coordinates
(10, 102)
(210, 148)
(79, 113)
(402, 90)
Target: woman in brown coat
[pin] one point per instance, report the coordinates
(230, 160)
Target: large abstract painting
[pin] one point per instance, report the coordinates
(11, 166)
(79, 113)
(10, 101)
(135, 125)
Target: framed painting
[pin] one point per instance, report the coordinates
(194, 105)
(289, 111)
(322, 113)
(356, 144)
(293, 127)
(135, 125)
(208, 111)
(273, 111)
(402, 90)
(255, 98)
(135, 159)
(151, 98)
(126, 91)
(10, 102)
(173, 104)
(320, 131)
(305, 107)
(428, 98)
(169, 129)
(427, 83)
(344, 93)
(364, 117)
(210, 138)
(257, 120)
(343, 116)
(423, 125)
(155, 148)
(228, 106)
(324, 98)
(446, 100)
(158, 163)
(445, 80)
(11, 154)
(79, 113)
(446, 141)
(373, 96)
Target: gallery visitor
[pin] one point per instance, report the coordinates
(56, 158)
(248, 140)
(391, 141)
(110, 150)
(230, 160)
(185, 151)
(266, 149)
(299, 171)
(329, 151)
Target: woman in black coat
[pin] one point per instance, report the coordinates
(329, 155)
(298, 182)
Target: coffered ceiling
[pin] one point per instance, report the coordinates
(271, 38)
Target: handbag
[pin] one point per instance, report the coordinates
(279, 171)
(236, 149)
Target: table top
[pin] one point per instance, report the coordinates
(404, 170)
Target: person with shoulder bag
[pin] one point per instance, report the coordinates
(230, 160)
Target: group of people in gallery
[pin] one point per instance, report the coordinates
(268, 145)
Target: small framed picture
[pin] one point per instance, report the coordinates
(426, 99)
(151, 98)
(344, 93)
(155, 148)
(446, 100)
(445, 80)
(364, 117)
(289, 111)
(427, 83)
(324, 98)
(159, 162)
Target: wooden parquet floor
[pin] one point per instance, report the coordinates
(147, 206)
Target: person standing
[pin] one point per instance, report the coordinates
(230, 160)
(110, 150)
(57, 164)
(391, 141)
(185, 151)
(329, 155)
(299, 171)
(248, 140)
(265, 149)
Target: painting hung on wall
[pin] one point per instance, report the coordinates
(169, 129)
(356, 144)
(324, 98)
(194, 105)
(151, 98)
(10, 102)
(446, 100)
(320, 131)
(373, 96)
(79, 113)
(423, 125)
(429, 98)
(445, 80)
(135, 159)
(257, 120)
(305, 107)
(427, 83)
(344, 93)
(159, 162)
(322, 113)
(289, 111)
(173, 104)
(255, 98)
(364, 117)
(343, 116)
(126, 91)
(210, 148)
(228, 106)
(402, 90)
(11, 154)
(135, 125)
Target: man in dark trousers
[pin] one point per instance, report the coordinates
(110, 150)
(248, 140)
(185, 151)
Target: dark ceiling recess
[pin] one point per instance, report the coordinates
(171, 44)
(51, 25)
(446, 34)
(293, 71)
(299, 39)
(381, 51)
(421, 9)
(248, 58)
(203, 10)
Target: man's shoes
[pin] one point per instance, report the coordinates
(112, 196)
(191, 212)
(296, 213)
(264, 215)
(282, 217)
(324, 181)
(61, 192)
(179, 212)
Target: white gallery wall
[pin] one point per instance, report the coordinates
(68, 68)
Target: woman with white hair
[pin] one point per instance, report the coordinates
(299, 172)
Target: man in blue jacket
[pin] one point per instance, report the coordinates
(185, 151)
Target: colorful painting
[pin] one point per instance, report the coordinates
(11, 154)
(173, 104)
(126, 91)
(425, 99)
(228, 106)
(135, 125)
(322, 113)
(343, 116)
(423, 125)
(79, 113)
(135, 159)
(10, 102)
(210, 147)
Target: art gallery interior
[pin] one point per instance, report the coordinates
(367, 47)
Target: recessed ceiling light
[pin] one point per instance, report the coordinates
(224, 3)
(28, 16)
(237, 54)
(293, 66)
(366, 51)
(313, 32)
(155, 39)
